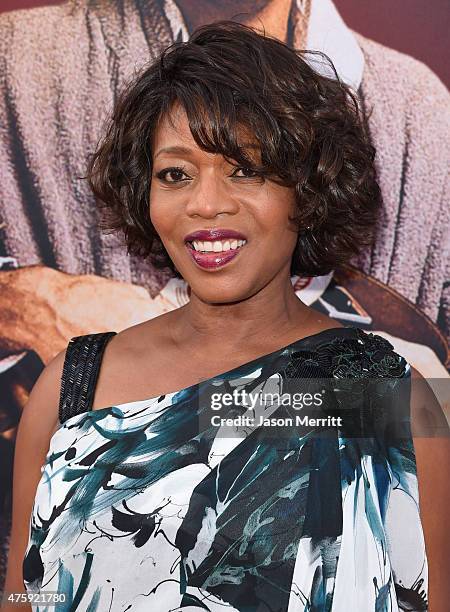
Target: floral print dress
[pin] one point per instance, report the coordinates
(148, 506)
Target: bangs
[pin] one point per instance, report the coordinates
(226, 123)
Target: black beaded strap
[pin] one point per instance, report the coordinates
(80, 372)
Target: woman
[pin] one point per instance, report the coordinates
(232, 161)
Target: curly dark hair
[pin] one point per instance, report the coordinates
(312, 134)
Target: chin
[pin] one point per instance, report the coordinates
(215, 294)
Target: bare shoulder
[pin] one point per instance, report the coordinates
(40, 413)
(41, 410)
(127, 359)
(138, 341)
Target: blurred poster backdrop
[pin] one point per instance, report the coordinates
(61, 68)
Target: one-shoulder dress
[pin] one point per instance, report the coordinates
(168, 504)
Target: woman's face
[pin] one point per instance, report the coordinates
(192, 190)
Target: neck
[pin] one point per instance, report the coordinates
(272, 16)
(271, 313)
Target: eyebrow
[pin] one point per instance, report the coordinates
(179, 150)
(175, 149)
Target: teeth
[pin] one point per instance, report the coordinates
(217, 246)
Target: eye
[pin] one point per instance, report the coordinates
(174, 174)
(246, 172)
(177, 171)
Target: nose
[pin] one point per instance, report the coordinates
(210, 197)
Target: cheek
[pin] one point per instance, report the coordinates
(160, 211)
(280, 207)
(276, 210)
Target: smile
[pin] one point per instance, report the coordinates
(214, 254)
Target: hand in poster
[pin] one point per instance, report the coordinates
(42, 308)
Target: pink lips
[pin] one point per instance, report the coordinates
(214, 234)
(213, 259)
